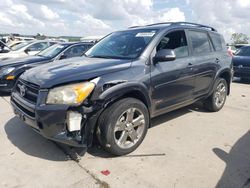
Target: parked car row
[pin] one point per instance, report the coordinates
(11, 69)
(111, 92)
(25, 48)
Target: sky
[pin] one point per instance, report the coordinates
(100, 17)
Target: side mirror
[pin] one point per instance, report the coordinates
(27, 51)
(164, 55)
(63, 56)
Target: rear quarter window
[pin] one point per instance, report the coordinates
(217, 41)
(200, 42)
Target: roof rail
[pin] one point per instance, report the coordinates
(134, 27)
(195, 25)
(162, 23)
(185, 23)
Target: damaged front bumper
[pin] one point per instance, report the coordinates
(52, 121)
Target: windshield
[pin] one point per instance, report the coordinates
(53, 50)
(21, 45)
(244, 51)
(14, 44)
(122, 45)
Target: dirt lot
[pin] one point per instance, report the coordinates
(186, 148)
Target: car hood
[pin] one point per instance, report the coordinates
(22, 61)
(241, 60)
(12, 54)
(73, 70)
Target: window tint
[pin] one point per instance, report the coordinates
(175, 41)
(216, 39)
(200, 42)
(38, 46)
(75, 51)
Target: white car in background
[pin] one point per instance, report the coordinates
(26, 48)
(15, 43)
(7, 47)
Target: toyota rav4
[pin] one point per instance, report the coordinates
(122, 82)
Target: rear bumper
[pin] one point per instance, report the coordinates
(51, 121)
(243, 72)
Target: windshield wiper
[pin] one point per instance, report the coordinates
(108, 57)
(100, 56)
(41, 55)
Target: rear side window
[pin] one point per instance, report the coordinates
(200, 42)
(216, 39)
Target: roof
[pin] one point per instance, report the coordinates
(164, 25)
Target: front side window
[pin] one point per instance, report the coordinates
(75, 51)
(200, 42)
(122, 45)
(175, 41)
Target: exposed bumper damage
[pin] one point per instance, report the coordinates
(73, 126)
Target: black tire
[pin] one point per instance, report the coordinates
(108, 121)
(210, 103)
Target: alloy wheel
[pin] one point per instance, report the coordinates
(129, 128)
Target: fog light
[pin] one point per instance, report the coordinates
(74, 120)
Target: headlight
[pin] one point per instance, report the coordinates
(73, 94)
(6, 71)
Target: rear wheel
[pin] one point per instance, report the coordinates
(218, 98)
(123, 126)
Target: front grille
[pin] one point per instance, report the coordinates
(26, 111)
(27, 90)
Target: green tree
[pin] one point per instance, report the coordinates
(239, 38)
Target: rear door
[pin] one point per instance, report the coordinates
(205, 62)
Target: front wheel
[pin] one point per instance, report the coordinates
(123, 126)
(218, 98)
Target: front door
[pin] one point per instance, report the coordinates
(173, 81)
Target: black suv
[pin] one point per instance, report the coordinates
(122, 82)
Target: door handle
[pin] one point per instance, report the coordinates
(190, 66)
(217, 60)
